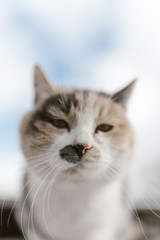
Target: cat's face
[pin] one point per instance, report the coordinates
(82, 134)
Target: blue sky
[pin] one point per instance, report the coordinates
(63, 62)
(101, 44)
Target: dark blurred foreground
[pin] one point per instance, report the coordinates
(9, 230)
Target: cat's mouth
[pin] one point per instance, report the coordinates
(86, 163)
(84, 169)
(80, 166)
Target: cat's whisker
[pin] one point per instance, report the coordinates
(134, 212)
(52, 183)
(34, 198)
(3, 203)
(155, 189)
(148, 206)
(106, 178)
(41, 148)
(30, 216)
(49, 188)
(24, 202)
(42, 155)
(133, 207)
(154, 200)
(15, 201)
(151, 197)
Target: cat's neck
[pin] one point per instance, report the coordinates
(84, 200)
(86, 187)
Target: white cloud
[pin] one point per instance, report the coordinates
(71, 23)
(15, 76)
(11, 174)
(142, 33)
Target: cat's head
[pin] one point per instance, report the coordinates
(82, 134)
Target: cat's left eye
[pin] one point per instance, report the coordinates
(103, 128)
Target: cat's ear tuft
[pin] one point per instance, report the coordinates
(121, 97)
(41, 84)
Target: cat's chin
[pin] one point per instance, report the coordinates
(83, 171)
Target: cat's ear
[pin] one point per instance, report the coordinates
(42, 84)
(121, 97)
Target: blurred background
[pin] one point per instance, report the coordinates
(98, 44)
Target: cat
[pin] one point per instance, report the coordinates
(79, 147)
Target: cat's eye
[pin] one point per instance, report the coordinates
(60, 123)
(103, 128)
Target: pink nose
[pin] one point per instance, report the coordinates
(82, 148)
(86, 147)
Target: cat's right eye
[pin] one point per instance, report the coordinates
(60, 123)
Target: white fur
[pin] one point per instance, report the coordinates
(86, 210)
(86, 206)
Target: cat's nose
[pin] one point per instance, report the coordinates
(74, 153)
(81, 149)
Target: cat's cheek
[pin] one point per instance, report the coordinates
(103, 139)
(104, 145)
(92, 156)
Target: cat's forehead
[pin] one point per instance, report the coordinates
(76, 100)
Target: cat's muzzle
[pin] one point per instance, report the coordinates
(74, 153)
